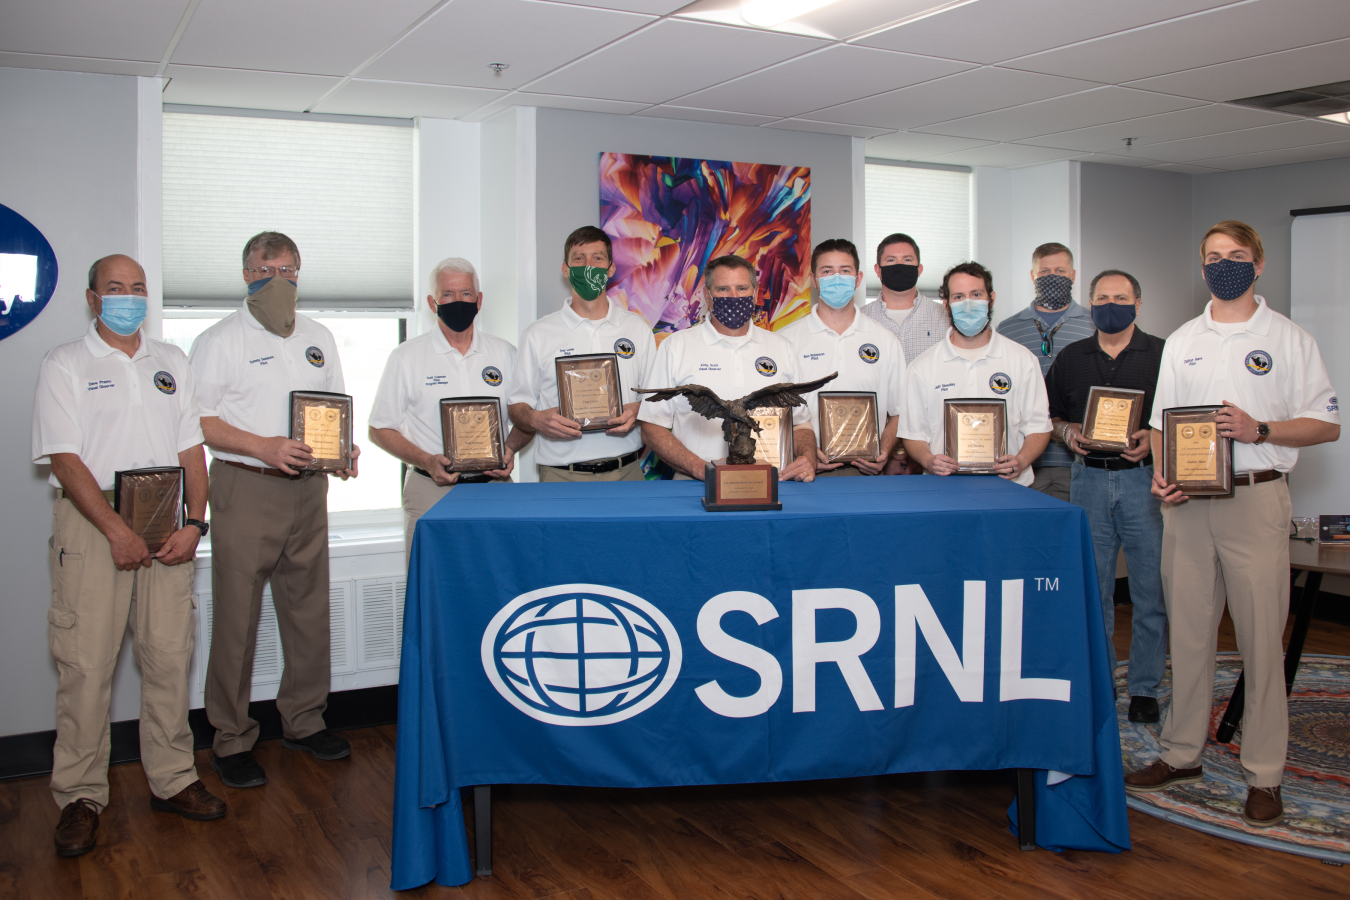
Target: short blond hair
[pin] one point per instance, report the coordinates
(1241, 233)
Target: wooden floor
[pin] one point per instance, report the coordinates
(322, 830)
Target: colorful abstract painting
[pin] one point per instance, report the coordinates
(668, 216)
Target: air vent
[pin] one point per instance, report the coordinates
(1329, 101)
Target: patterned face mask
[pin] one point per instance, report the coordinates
(588, 281)
(1229, 279)
(1054, 291)
(733, 312)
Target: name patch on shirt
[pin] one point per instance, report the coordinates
(709, 367)
(314, 356)
(101, 384)
(624, 348)
(766, 366)
(164, 381)
(869, 353)
(1259, 362)
(434, 380)
(944, 387)
(1193, 360)
(261, 361)
(1000, 383)
(813, 356)
(492, 375)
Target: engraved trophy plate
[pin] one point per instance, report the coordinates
(589, 391)
(1113, 414)
(773, 441)
(471, 433)
(976, 433)
(150, 501)
(736, 488)
(848, 425)
(1195, 457)
(323, 421)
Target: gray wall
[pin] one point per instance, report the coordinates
(568, 174)
(1262, 198)
(1139, 220)
(68, 165)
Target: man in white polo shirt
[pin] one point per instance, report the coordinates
(730, 355)
(974, 361)
(587, 323)
(835, 338)
(112, 401)
(454, 359)
(270, 515)
(1269, 375)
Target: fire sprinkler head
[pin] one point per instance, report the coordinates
(498, 68)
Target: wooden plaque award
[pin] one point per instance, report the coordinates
(589, 391)
(848, 425)
(471, 433)
(729, 488)
(1113, 414)
(323, 421)
(151, 502)
(773, 441)
(976, 433)
(1195, 457)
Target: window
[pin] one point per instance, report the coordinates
(932, 205)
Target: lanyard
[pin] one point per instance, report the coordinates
(1047, 339)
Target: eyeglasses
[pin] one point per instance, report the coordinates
(273, 271)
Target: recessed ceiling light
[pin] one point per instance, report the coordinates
(1342, 118)
(772, 13)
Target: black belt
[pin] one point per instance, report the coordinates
(600, 466)
(1257, 478)
(464, 477)
(1115, 463)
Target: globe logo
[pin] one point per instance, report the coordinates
(581, 654)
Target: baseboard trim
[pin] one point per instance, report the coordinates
(26, 755)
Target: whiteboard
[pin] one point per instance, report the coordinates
(1319, 288)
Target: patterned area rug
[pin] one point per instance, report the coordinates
(1316, 787)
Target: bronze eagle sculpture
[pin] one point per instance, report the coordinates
(737, 425)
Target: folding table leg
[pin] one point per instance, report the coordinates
(482, 829)
(1026, 809)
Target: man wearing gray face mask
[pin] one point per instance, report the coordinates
(1050, 323)
(269, 514)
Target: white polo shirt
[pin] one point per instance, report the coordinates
(114, 412)
(730, 366)
(564, 333)
(423, 371)
(1006, 370)
(245, 373)
(1267, 366)
(866, 356)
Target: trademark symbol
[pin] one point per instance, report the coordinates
(1047, 584)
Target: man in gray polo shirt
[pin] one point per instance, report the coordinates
(1050, 323)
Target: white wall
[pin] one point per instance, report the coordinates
(69, 165)
(447, 204)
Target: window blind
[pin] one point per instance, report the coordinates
(342, 191)
(930, 205)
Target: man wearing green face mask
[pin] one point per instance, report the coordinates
(587, 323)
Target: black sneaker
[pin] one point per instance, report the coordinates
(239, 770)
(323, 744)
(1143, 709)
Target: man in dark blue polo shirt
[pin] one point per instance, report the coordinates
(1114, 488)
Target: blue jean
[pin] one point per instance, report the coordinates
(1123, 512)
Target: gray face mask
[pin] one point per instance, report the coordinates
(1054, 291)
(272, 302)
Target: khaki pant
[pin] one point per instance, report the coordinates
(265, 528)
(420, 494)
(630, 472)
(1053, 480)
(1238, 545)
(93, 605)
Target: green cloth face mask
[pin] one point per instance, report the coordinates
(588, 281)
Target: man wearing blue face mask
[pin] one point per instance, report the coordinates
(112, 401)
(1114, 488)
(1051, 322)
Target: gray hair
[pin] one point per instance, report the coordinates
(453, 264)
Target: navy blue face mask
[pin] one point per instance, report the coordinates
(1113, 318)
(1228, 279)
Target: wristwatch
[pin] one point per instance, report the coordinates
(201, 526)
(1262, 432)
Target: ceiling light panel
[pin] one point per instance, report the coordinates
(815, 18)
(128, 29)
(1094, 107)
(652, 7)
(456, 44)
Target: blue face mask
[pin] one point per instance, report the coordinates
(123, 313)
(1113, 318)
(836, 291)
(1229, 279)
(733, 312)
(970, 316)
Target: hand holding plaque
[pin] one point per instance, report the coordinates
(589, 391)
(471, 433)
(848, 425)
(323, 421)
(150, 502)
(1113, 414)
(1196, 458)
(976, 433)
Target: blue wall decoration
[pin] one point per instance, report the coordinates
(27, 271)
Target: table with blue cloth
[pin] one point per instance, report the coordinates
(618, 635)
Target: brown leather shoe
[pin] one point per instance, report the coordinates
(1264, 807)
(1160, 776)
(192, 802)
(75, 831)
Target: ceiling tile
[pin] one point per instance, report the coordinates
(705, 115)
(963, 94)
(1186, 168)
(653, 7)
(829, 128)
(364, 97)
(832, 76)
(1112, 159)
(552, 101)
(1173, 126)
(331, 38)
(1216, 36)
(1252, 140)
(128, 29)
(456, 44)
(1289, 69)
(672, 59)
(1003, 155)
(1334, 150)
(994, 30)
(77, 64)
(245, 89)
(909, 145)
(1094, 107)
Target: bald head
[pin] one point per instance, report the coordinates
(117, 274)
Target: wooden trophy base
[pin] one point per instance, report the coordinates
(740, 488)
